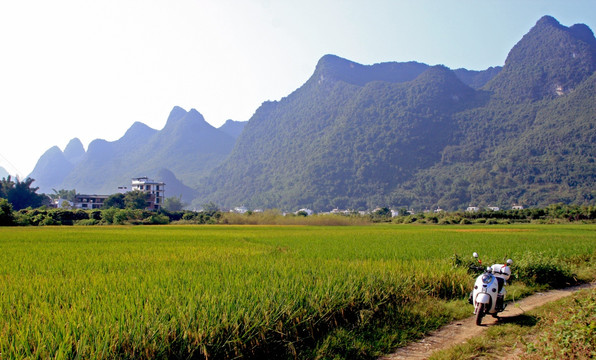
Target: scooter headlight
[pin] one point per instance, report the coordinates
(487, 279)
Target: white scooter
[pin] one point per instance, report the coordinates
(489, 290)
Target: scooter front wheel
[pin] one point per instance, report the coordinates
(479, 314)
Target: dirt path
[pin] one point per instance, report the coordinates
(459, 331)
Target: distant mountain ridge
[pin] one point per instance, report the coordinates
(233, 128)
(391, 134)
(548, 61)
(74, 151)
(187, 145)
(410, 135)
(333, 66)
(3, 173)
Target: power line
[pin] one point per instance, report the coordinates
(18, 173)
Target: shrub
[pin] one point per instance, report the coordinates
(68, 217)
(108, 215)
(95, 215)
(433, 219)
(130, 216)
(86, 222)
(444, 221)
(26, 217)
(536, 269)
(409, 219)
(188, 216)
(156, 219)
(48, 221)
(173, 215)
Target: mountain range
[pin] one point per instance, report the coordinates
(187, 146)
(390, 134)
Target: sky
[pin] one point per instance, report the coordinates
(90, 69)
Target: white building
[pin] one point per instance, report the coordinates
(62, 203)
(240, 210)
(88, 202)
(155, 189)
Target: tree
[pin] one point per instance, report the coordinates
(210, 207)
(114, 201)
(382, 212)
(5, 186)
(136, 199)
(6, 215)
(174, 203)
(63, 194)
(20, 193)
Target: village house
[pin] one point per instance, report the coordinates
(88, 202)
(155, 189)
(239, 210)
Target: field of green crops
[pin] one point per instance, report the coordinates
(238, 291)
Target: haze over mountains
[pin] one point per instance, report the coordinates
(389, 134)
(187, 146)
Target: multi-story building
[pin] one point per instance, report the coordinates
(155, 189)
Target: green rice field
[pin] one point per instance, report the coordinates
(247, 291)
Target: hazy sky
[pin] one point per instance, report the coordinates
(90, 69)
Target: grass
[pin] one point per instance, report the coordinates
(565, 329)
(249, 291)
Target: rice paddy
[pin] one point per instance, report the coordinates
(235, 291)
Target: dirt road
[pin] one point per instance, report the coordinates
(459, 331)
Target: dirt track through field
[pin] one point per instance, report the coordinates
(459, 331)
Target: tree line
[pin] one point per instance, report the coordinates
(43, 216)
(20, 205)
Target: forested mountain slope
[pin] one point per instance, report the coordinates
(389, 134)
(410, 135)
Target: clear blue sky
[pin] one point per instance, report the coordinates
(90, 69)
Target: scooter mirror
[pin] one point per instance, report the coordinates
(509, 262)
(475, 255)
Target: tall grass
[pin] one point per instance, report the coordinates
(272, 217)
(229, 291)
